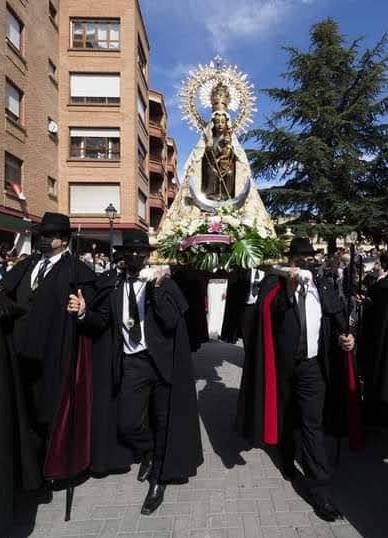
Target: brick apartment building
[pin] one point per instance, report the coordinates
(77, 132)
(29, 90)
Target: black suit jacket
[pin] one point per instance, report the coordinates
(164, 309)
(286, 324)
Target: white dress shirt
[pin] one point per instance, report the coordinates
(256, 276)
(52, 261)
(139, 286)
(313, 316)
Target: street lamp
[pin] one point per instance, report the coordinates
(111, 213)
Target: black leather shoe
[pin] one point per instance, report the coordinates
(154, 498)
(145, 468)
(327, 511)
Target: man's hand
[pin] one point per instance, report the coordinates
(293, 279)
(346, 342)
(160, 274)
(76, 304)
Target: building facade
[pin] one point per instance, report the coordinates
(162, 160)
(103, 103)
(82, 131)
(29, 135)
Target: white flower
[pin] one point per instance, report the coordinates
(214, 220)
(193, 227)
(247, 221)
(232, 221)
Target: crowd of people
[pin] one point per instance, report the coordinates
(96, 371)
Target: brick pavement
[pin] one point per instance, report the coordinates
(238, 493)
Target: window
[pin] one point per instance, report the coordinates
(13, 101)
(51, 186)
(52, 69)
(12, 172)
(141, 58)
(94, 89)
(142, 205)
(141, 107)
(100, 144)
(92, 198)
(95, 34)
(53, 13)
(14, 29)
(141, 154)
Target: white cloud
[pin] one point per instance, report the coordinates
(226, 21)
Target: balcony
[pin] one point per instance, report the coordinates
(156, 215)
(171, 167)
(156, 129)
(156, 166)
(157, 200)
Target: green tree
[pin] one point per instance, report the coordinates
(327, 142)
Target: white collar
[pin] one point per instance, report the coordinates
(54, 259)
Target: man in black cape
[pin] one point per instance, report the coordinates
(145, 407)
(289, 366)
(240, 308)
(8, 432)
(48, 364)
(374, 349)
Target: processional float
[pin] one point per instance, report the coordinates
(217, 220)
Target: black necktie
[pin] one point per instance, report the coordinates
(256, 283)
(302, 347)
(134, 329)
(41, 273)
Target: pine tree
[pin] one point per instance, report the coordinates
(327, 144)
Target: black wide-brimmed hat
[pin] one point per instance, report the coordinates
(54, 223)
(133, 240)
(301, 246)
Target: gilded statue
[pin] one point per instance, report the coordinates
(219, 159)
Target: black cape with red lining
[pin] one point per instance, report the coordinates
(56, 392)
(260, 411)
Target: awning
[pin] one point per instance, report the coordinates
(10, 223)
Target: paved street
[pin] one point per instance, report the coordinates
(237, 493)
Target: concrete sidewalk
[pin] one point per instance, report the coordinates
(238, 493)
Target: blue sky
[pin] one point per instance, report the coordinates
(248, 33)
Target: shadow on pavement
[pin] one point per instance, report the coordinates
(360, 486)
(217, 400)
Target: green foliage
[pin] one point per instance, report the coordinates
(249, 251)
(328, 143)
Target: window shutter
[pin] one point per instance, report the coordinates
(14, 30)
(93, 198)
(12, 99)
(96, 133)
(85, 85)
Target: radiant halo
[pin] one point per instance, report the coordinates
(196, 91)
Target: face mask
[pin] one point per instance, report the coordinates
(134, 263)
(45, 244)
(309, 265)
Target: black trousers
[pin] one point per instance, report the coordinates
(304, 407)
(144, 404)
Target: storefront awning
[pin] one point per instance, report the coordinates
(10, 223)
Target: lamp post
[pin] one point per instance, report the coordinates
(111, 213)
